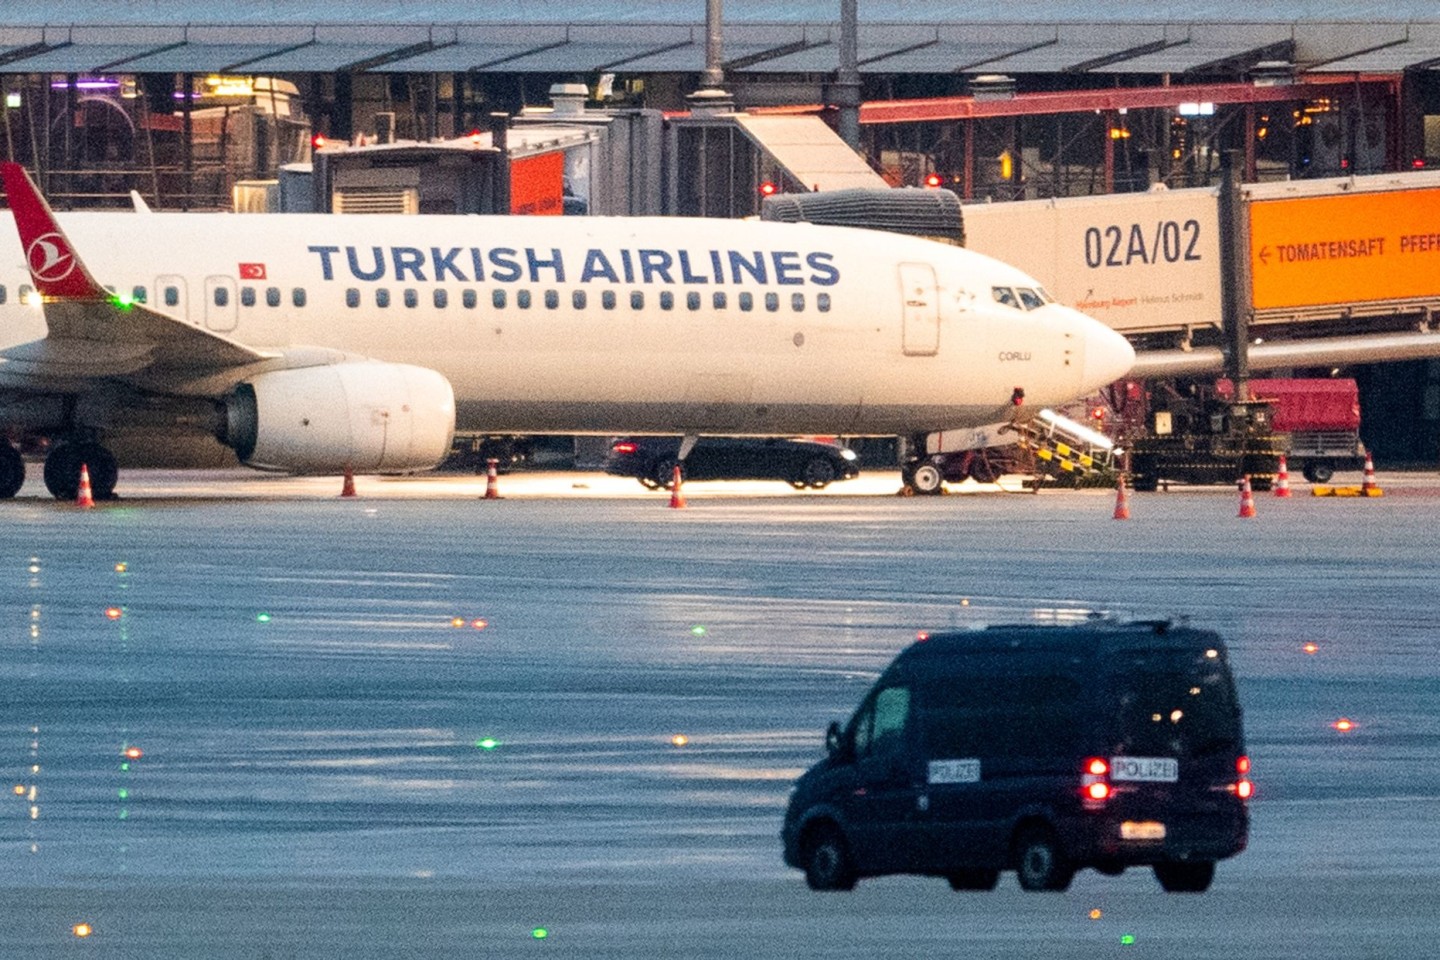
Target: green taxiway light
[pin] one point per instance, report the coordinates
(488, 743)
(698, 630)
(262, 618)
(1127, 939)
(540, 933)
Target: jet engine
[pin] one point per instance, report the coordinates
(369, 416)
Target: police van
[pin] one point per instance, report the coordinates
(1039, 749)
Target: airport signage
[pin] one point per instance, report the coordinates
(1137, 261)
(1352, 248)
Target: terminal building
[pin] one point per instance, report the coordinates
(447, 106)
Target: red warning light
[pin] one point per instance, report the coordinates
(933, 181)
(768, 188)
(134, 753)
(114, 613)
(1242, 765)
(625, 446)
(1418, 163)
(475, 136)
(318, 141)
(1344, 725)
(479, 624)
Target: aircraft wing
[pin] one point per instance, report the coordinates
(93, 333)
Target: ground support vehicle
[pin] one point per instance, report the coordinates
(1206, 442)
(1048, 448)
(1322, 419)
(1038, 749)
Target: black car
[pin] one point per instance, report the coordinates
(801, 463)
(1039, 749)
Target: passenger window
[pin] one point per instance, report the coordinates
(297, 296)
(797, 302)
(468, 299)
(23, 292)
(172, 296)
(552, 299)
(272, 296)
(667, 300)
(497, 299)
(412, 299)
(247, 296)
(222, 296)
(441, 298)
(138, 295)
(607, 299)
(352, 297)
(718, 300)
(692, 300)
(822, 302)
(2, 293)
(1030, 298)
(382, 297)
(747, 302)
(522, 299)
(637, 300)
(1006, 296)
(577, 299)
(772, 302)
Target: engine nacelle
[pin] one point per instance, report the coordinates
(368, 416)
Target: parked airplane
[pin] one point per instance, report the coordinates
(312, 343)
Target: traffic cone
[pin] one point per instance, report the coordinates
(1282, 479)
(677, 499)
(1122, 500)
(348, 489)
(492, 479)
(85, 498)
(1369, 488)
(1247, 499)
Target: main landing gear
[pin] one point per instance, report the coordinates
(62, 470)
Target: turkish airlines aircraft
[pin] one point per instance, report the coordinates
(312, 343)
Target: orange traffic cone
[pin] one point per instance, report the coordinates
(677, 499)
(1247, 499)
(492, 479)
(85, 498)
(1282, 479)
(1369, 488)
(1122, 500)
(348, 489)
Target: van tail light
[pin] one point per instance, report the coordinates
(1095, 783)
(1244, 788)
(625, 446)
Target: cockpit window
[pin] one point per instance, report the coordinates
(1006, 296)
(1030, 298)
(1045, 294)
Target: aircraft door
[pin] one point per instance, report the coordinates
(170, 296)
(920, 310)
(222, 312)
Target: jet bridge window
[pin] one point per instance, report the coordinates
(222, 296)
(172, 296)
(382, 297)
(441, 298)
(138, 295)
(1030, 298)
(247, 296)
(412, 298)
(272, 296)
(352, 297)
(297, 296)
(1006, 296)
(468, 299)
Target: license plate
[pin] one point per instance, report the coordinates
(1142, 830)
(1146, 769)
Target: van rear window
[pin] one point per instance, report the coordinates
(1173, 704)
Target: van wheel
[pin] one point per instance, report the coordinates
(1318, 472)
(1185, 877)
(1039, 862)
(827, 861)
(974, 879)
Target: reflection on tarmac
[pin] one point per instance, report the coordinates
(236, 724)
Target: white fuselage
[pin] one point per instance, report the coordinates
(819, 329)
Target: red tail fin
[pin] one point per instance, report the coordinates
(57, 272)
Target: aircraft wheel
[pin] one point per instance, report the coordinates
(927, 478)
(12, 471)
(62, 470)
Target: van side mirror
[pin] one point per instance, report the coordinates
(832, 739)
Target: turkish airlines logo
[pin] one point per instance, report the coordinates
(50, 258)
(252, 271)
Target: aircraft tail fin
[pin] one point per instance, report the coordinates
(56, 270)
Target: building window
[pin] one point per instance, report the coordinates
(352, 297)
(441, 298)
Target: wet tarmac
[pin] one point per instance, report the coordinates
(418, 724)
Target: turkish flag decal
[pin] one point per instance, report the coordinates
(252, 271)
